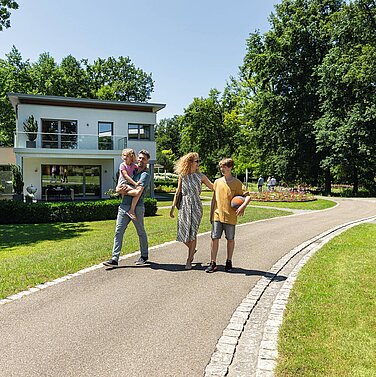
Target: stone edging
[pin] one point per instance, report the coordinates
(226, 347)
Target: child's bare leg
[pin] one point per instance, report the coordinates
(128, 187)
(132, 212)
(214, 249)
(230, 249)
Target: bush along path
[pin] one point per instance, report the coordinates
(15, 212)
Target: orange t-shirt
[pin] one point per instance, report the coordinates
(224, 192)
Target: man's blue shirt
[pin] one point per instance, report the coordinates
(144, 178)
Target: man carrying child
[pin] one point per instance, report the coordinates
(142, 177)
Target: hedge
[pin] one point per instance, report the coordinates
(167, 182)
(15, 212)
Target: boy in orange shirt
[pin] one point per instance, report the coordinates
(222, 216)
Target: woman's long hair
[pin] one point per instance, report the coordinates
(184, 165)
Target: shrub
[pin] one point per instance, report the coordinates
(17, 212)
(167, 182)
(150, 206)
(164, 188)
(14, 212)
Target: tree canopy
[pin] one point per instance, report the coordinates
(5, 7)
(345, 133)
(110, 79)
(304, 105)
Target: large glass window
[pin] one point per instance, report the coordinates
(105, 132)
(68, 182)
(140, 131)
(59, 134)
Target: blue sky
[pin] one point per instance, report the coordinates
(188, 46)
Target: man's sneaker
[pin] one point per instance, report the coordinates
(212, 267)
(141, 261)
(228, 266)
(111, 263)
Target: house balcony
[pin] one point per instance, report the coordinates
(64, 141)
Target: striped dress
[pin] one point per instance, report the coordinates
(190, 212)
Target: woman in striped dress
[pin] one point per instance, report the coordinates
(190, 212)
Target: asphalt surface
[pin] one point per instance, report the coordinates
(156, 320)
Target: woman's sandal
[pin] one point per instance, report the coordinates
(188, 265)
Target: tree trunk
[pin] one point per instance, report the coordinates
(328, 183)
(356, 181)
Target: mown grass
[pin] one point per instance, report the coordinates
(206, 196)
(329, 327)
(318, 204)
(34, 254)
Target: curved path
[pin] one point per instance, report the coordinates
(151, 321)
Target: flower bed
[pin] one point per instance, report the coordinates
(288, 195)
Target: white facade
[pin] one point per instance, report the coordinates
(79, 149)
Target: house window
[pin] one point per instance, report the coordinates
(140, 131)
(65, 182)
(105, 132)
(59, 134)
(6, 186)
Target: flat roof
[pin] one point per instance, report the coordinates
(36, 99)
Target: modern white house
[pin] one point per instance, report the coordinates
(77, 149)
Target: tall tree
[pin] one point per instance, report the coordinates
(346, 131)
(14, 77)
(75, 79)
(46, 76)
(280, 68)
(168, 139)
(5, 7)
(208, 130)
(120, 79)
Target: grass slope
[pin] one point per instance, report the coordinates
(329, 327)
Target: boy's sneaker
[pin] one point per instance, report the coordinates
(228, 266)
(212, 267)
(141, 261)
(111, 263)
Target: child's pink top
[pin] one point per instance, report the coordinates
(131, 169)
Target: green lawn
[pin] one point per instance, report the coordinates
(165, 199)
(329, 329)
(34, 254)
(318, 204)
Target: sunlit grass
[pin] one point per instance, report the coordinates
(318, 204)
(206, 196)
(329, 329)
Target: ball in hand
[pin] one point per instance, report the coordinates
(237, 201)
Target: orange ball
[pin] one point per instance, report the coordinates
(237, 201)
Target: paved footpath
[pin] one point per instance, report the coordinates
(160, 320)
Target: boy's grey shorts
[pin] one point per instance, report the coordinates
(218, 228)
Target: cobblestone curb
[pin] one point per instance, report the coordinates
(223, 355)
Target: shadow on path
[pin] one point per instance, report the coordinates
(173, 267)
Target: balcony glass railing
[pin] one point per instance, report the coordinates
(46, 140)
